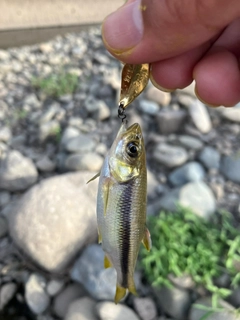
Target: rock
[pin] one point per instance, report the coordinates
(200, 116)
(192, 171)
(190, 142)
(230, 167)
(101, 149)
(170, 121)
(35, 294)
(232, 114)
(68, 134)
(111, 311)
(89, 271)
(7, 292)
(62, 205)
(46, 165)
(17, 172)
(183, 282)
(49, 129)
(4, 55)
(103, 111)
(82, 309)
(148, 107)
(50, 113)
(3, 109)
(3, 227)
(81, 144)
(145, 307)
(75, 122)
(32, 101)
(186, 100)
(62, 301)
(90, 161)
(189, 90)
(4, 198)
(174, 302)
(234, 298)
(210, 157)
(198, 313)
(97, 108)
(152, 184)
(54, 287)
(5, 134)
(170, 156)
(158, 96)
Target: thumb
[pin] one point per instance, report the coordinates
(152, 30)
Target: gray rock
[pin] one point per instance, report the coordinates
(210, 157)
(50, 113)
(90, 161)
(4, 198)
(63, 300)
(4, 55)
(32, 101)
(170, 156)
(190, 142)
(7, 292)
(191, 171)
(68, 134)
(54, 287)
(174, 302)
(17, 172)
(49, 129)
(230, 167)
(111, 311)
(5, 134)
(3, 109)
(3, 227)
(234, 298)
(89, 271)
(82, 309)
(232, 114)
(158, 96)
(62, 205)
(170, 121)
(35, 294)
(103, 111)
(97, 108)
(198, 313)
(81, 144)
(148, 107)
(101, 149)
(152, 184)
(75, 122)
(145, 308)
(183, 282)
(46, 165)
(200, 116)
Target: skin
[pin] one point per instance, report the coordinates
(183, 40)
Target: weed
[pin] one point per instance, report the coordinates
(57, 85)
(56, 133)
(186, 244)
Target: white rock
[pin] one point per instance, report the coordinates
(5, 134)
(232, 114)
(111, 311)
(199, 114)
(82, 309)
(158, 96)
(54, 287)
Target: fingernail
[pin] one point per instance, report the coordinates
(123, 29)
(204, 102)
(158, 86)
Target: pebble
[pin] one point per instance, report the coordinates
(4, 198)
(45, 164)
(32, 101)
(50, 207)
(99, 282)
(149, 107)
(210, 157)
(190, 142)
(152, 184)
(174, 302)
(97, 108)
(68, 134)
(230, 167)
(7, 292)
(90, 161)
(232, 114)
(35, 294)
(145, 308)
(101, 149)
(170, 121)
(160, 97)
(170, 156)
(49, 129)
(200, 117)
(186, 100)
(63, 300)
(75, 122)
(17, 172)
(49, 114)
(54, 287)
(190, 172)
(3, 227)
(81, 144)
(5, 134)
(82, 309)
(111, 311)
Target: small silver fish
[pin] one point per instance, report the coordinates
(121, 206)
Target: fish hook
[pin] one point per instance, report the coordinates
(121, 112)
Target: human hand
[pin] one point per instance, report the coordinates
(183, 40)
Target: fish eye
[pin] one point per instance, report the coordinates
(132, 149)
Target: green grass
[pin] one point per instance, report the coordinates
(185, 244)
(57, 85)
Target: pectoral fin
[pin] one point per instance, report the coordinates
(99, 237)
(94, 177)
(147, 242)
(120, 293)
(106, 186)
(107, 262)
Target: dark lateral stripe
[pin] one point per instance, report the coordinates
(125, 207)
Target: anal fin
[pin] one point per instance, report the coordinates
(99, 236)
(147, 242)
(107, 262)
(120, 293)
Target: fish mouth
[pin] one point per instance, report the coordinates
(135, 129)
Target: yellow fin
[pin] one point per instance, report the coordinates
(147, 242)
(131, 286)
(107, 262)
(120, 293)
(99, 237)
(106, 185)
(94, 177)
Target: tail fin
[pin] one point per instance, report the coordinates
(120, 293)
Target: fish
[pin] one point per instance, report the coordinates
(121, 206)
